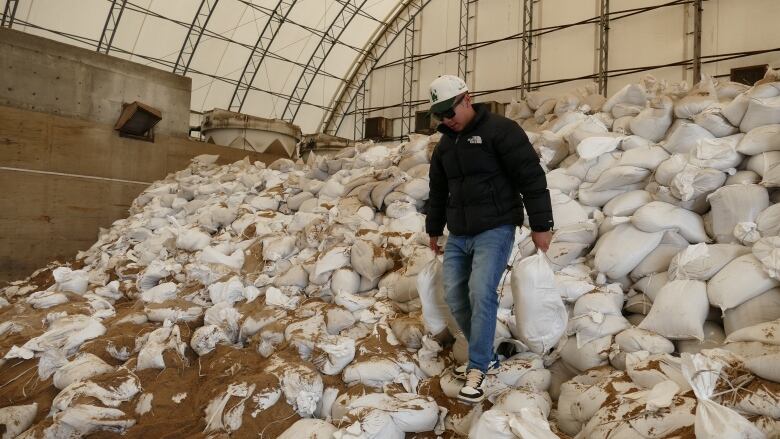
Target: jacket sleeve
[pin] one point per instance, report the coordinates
(437, 196)
(522, 164)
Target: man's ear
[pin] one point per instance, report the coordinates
(467, 98)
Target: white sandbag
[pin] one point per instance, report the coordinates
(766, 332)
(627, 203)
(692, 182)
(278, 248)
(65, 334)
(369, 261)
(699, 99)
(658, 260)
(670, 167)
(735, 110)
(653, 121)
(589, 127)
(714, 337)
(67, 280)
(592, 147)
(647, 370)
(760, 309)
(636, 339)
(679, 310)
(712, 419)
(81, 368)
(739, 281)
(703, 261)
(634, 142)
(768, 221)
(712, 120)
(736, 204)
(593, 354)
(760, 112)
(552, 148)
(558, 179)
(615, 259)
(309, 429)
(767, 250)
(17, 418)
(566, 211)
(539, 311)
(760, 358)
(763, 138)
(589, 197)
(763, 163)
(717, 153)
(518, 110)
(619, 177)
(649, 157)
(684, 136)
(631, 94)
(743, 177)
(152, 345)
(657, 216)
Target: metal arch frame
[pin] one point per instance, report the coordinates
(328, 41)
(383, 38)
(697, 13)
(194, 34)
(463, 39)
(527, 49)
(9, 12)
(603, 49)
(408, 80)
(257, 55)
(112, 23)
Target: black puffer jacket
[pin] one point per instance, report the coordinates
(477, 177)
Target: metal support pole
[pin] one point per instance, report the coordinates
(697, 40)
(360, 111)
(9, 12)
(112, 23)
(463, 39)
(603, 46)
(408, 81)
(527, 51)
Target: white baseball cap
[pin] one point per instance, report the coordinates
(444, 90)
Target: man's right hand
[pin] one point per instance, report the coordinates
(435, 245)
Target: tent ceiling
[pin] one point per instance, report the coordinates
(288, 59)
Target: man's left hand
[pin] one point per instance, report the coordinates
(542, 240)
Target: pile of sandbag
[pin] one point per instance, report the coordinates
(301, 299)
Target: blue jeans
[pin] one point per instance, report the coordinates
(472, 269)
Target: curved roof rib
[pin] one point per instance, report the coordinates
(382, 39)
(194, 34)
(349, 9)
(256, 57)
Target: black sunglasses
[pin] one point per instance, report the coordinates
(450, 112)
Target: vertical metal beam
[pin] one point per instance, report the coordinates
(349, 10)
(603, 47)
(194, 34)
(697, 12)
(463, 40)
(256, 57)
(344, 98)
(9, 12)
(407, 114)
(112, 23)
(527, 51)
(360, 112)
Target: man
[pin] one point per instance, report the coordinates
(479, 169)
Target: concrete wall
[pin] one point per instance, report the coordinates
(43, 75)
(63, 178)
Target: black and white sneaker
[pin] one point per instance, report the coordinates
(460, 371)
(472, 391)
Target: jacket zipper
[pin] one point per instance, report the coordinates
(462, 177)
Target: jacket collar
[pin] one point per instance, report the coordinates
(481, 114)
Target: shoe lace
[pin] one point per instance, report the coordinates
(474, 378)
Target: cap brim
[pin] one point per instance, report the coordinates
(443, 106)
